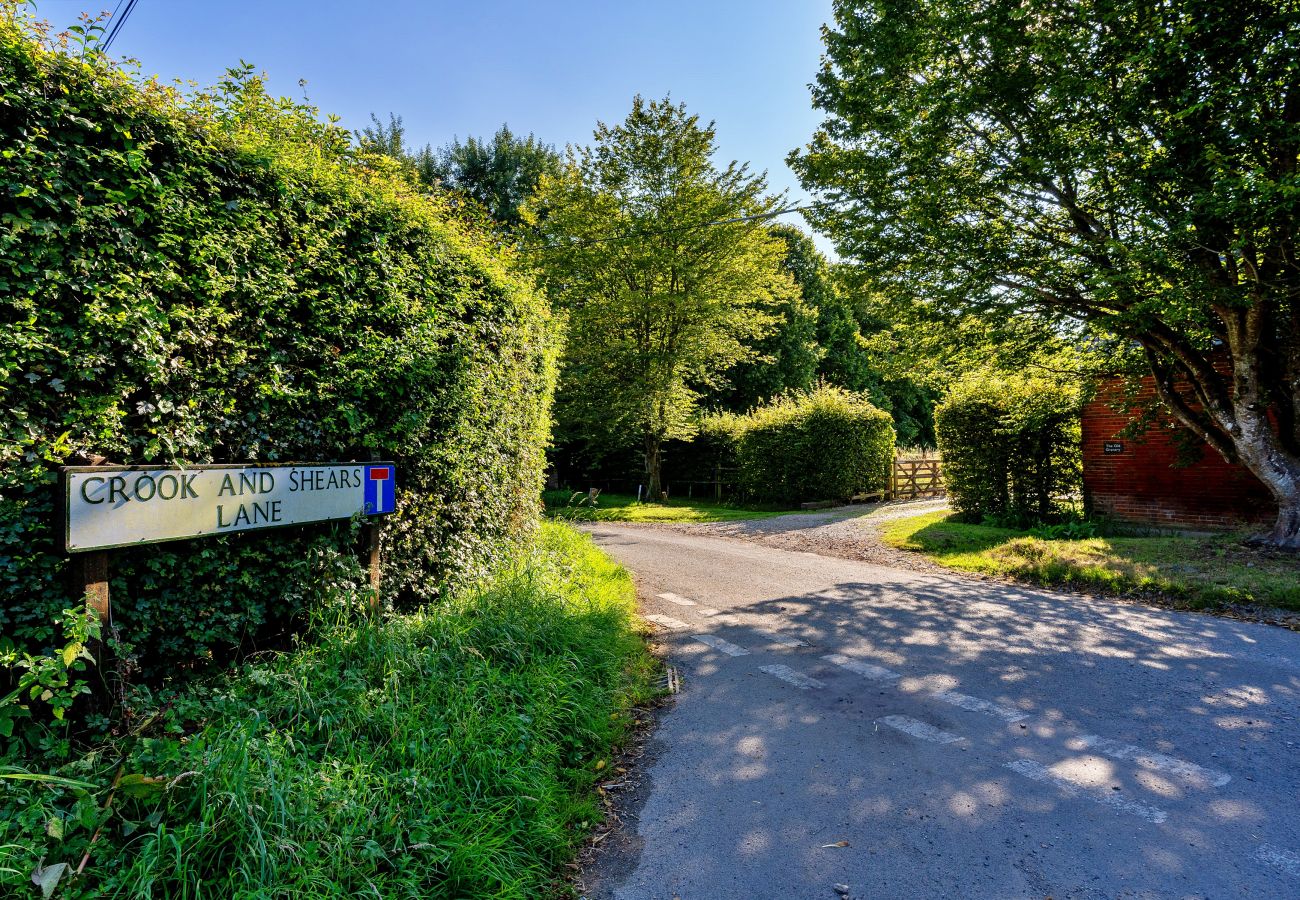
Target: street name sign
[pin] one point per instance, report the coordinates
(121, 506)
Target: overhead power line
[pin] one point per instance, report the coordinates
(629, 235)
(117, 22)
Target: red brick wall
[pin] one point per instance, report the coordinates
(1141, 484)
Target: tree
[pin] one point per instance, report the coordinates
(1128, 165)
(787, 357)
(390, 140)
(831, 335)
(500, 173)
(664, 289)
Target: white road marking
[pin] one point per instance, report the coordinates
(787, 674)
(1285, 860)
(975, 704)
(783, 639)
(667, 622)
(708, 611)
(676, 598)
(866, 670)
(1149, 759)
(718, 643)
(1038, 772)
(919, 729)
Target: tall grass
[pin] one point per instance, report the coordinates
(447, 753)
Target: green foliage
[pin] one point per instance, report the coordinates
(716, 442)
(1010, 446)
(828, 444)
(904, 353)
(659, 307)
(1119, 163)
(219, 277)
(451, 752)
(834, 332)
(48, 681)
(389, 139)
(1073, 530)
(786, 358)
(500, 173)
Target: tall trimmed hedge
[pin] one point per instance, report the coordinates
(827, 444)
(1010, 446)
(221, 277)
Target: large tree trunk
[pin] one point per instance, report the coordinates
(1231, 412)
(653, 465)
(1286, 533)
(1259, 451)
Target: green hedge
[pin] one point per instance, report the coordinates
(1010, 447)
(221, 277)
(828, 444)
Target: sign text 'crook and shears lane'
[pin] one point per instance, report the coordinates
(116, 506)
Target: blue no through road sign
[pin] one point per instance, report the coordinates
(381, 495)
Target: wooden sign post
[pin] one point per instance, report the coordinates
(376, 535)
(93, 576)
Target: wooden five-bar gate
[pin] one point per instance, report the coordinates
(907, 479)
(912, 479)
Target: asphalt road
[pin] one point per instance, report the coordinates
(901, 734)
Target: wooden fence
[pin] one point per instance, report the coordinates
(911, 479)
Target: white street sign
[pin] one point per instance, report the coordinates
(116, 506)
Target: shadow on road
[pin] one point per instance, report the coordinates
(1135, 752)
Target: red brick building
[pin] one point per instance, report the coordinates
(1138, 481)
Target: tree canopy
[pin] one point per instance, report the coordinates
(664, 289)
(786, 358)
(389, 139)
(1127, 165)
(498, 173)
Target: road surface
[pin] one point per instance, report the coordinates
(851, 730)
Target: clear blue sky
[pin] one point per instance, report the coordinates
(463, 68)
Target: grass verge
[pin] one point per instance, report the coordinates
(626, 508)
(447, 753)
(1199, 571)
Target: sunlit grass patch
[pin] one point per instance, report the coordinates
(625, 508)
(1199, 570)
